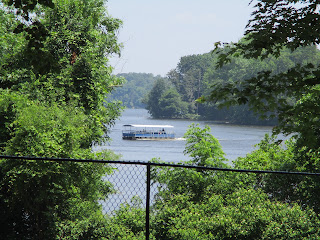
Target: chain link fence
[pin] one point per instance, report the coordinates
(138, 186)
(133, 186)
(174, 201)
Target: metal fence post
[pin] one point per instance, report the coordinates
(148, 202)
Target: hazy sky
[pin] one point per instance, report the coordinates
(157, 33)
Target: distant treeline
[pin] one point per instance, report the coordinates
(175, 95)
(134, 89)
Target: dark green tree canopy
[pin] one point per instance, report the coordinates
(54, 79)
(275, 26)
(152, 99)
(289, 23)
(163, 101)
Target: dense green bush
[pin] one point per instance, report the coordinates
(54, 78)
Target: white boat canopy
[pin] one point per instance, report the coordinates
(147, 126)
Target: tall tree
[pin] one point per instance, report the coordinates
(53, 85)
(187, 77)
(75, 69)
(289, 95)
(171, 104)
(292, 95)
(153, 97)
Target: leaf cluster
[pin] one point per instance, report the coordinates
(199, 204)
(134, 89)
(163, 101)
(54, 78)
(274, 27)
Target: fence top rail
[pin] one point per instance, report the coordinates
(174, 165)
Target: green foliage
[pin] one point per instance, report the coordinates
(204, 148)
(281, 93)
(152, 99)
(243, 82)
(199, 204)
(55, 132)
(171, 105)
(55, 77)
(163, 101)
(71, 70)
(134, 90)
(25, 7)
(270, 154)
(296, 18)
(302, 118)
(284, 157)
(97, 227)
(38, 197)
(244, 214)
(291, 94)
(9, 42)
(132, 216)
(188, 78)
(230, 96)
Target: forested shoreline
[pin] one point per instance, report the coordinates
(178, 95)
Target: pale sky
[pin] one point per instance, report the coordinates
(157, 33)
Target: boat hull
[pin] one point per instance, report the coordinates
(137, 136)
(145, 132)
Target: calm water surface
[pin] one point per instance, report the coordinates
(129, 180)
(236, 141)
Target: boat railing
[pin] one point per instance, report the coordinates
(149, 131)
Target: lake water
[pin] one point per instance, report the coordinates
(236, 140)
(130, 180)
